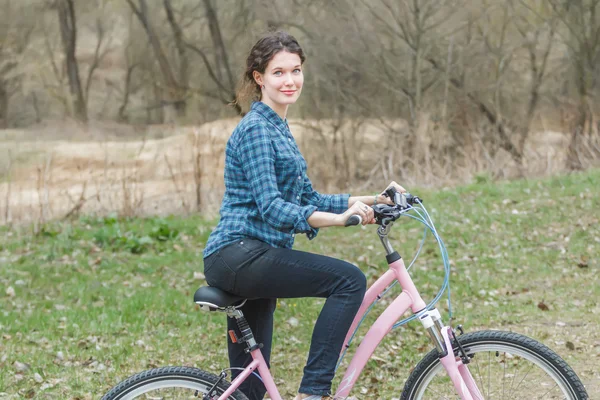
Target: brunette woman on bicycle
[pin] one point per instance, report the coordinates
(268, 200)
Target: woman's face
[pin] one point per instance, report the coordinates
(283, 80)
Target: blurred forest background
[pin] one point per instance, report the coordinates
(111, 95)
(119, 108)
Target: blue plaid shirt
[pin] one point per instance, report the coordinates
(268, 195)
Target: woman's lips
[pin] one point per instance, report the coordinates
(288, 92)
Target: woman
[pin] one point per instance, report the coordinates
(268, 200)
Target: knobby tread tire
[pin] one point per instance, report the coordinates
(185, 373)
(499, 337)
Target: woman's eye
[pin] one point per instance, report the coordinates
(277, 73)
(297, 70)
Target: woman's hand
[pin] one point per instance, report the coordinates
(358, 208)
(383, 198)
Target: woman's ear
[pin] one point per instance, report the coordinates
(257, 78)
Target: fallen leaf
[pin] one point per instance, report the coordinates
(97, 261)
(20, 367)
(583, 262)
(199, 276)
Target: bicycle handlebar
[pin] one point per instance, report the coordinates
(385, 213)
(354, 220)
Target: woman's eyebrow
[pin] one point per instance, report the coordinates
(278, 67)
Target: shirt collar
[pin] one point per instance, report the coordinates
(270, 115)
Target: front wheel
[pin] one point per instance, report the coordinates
(504, 365)
(171, 383)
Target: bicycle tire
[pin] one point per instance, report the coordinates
(515, 349)
(171, 378)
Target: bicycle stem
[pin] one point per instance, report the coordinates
(383, 231)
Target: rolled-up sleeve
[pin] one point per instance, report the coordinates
(257, 157)
(333, 203)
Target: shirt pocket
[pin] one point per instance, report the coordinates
(288, 167)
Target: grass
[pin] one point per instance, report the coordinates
(86, 303)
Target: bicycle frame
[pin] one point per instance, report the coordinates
(409, 298)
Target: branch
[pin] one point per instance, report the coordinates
(136, 10)
(97, 58)
(301, 28)
(208, 67)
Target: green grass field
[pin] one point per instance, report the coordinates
(86, 303)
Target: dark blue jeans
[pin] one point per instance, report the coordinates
(262, 273)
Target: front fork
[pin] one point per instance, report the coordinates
(456, 366)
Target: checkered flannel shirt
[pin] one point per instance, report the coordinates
(268, 195)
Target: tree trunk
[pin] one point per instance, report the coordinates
(492, 117)
(3, 105)
(173, 87)
(578, 133)
(68, 33)
(184, 77)
(121, 115)
(223, 70)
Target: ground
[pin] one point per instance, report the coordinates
(86, 302)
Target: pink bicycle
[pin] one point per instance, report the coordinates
(473, 366)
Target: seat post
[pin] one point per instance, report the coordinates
(247, 335)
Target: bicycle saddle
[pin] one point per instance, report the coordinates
(212, 299)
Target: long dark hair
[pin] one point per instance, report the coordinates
(262, 52)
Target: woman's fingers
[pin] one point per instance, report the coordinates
(397, 186)
(366, 213)
(364, 210)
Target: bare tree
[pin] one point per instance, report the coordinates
(174, 91)
(68, 33)
(128, 87)
(221, 72)
(184, 76)
(534, 33)
(15, 36)
(100, 31)
(581, 20)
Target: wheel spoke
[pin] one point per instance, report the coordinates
(489, 366)
(515, 367)
(503, 375)
(480, 385)
(170, 383)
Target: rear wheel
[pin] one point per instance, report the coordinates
(504, 365)
(171, 383)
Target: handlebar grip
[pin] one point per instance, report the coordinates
(353, 220)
